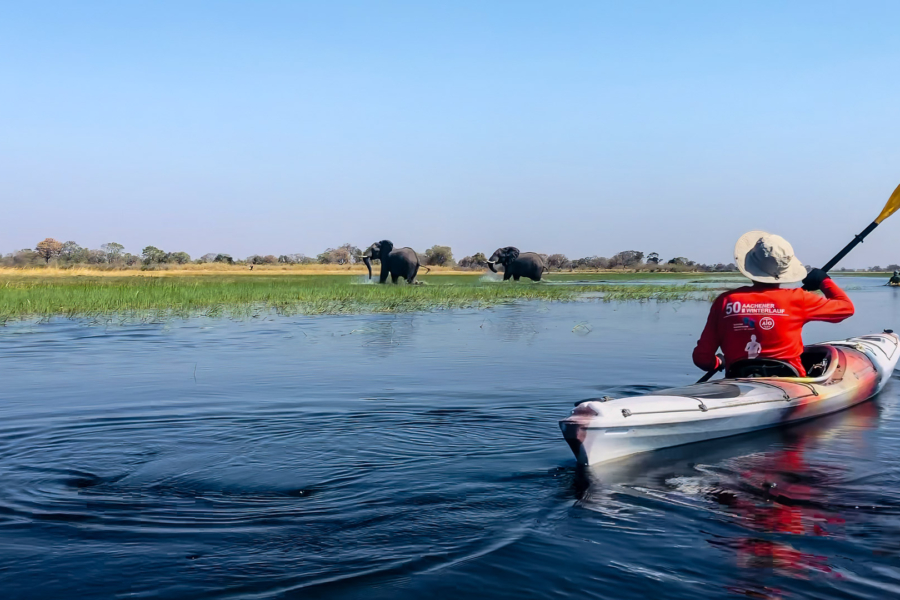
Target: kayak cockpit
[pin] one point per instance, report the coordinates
(820, 362)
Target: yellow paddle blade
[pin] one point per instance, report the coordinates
(891, 207)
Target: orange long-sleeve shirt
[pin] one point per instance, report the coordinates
(766, 322)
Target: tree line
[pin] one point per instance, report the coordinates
(112, 254)
(66, 254)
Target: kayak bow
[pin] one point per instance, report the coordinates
(846, 373)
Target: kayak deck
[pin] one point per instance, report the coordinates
(847, 372)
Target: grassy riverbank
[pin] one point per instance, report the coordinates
(153, 296)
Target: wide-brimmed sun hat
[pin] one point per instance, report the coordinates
(767, 258)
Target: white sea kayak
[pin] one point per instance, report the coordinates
(842, 374)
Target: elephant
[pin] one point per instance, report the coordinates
(399, 263)
(515, 264)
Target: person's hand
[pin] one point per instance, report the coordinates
(814, 279)
(720, 362)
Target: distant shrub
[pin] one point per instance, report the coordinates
(680, 260)
(591, 262)
(152, 255)
(476, 261)
(628, 258)
(113, 251)
(558, 262)
(295, 259)
(441, 256)
(346, 254)
(178, 258)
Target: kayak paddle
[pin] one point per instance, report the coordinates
(890, 208)
(712, 372)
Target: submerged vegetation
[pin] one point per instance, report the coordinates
(143, 297)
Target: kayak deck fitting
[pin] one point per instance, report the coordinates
(843, 373)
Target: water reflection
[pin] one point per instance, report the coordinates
(777, 487)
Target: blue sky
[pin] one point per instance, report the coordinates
(580, 127)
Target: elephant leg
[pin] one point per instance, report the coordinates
(516, 277)
(411, 278)
(394, 278)
(506, 276)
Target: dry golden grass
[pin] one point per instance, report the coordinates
(214, 269)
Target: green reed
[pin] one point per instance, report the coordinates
(156, 297)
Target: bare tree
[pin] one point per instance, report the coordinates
(558, 261)
(592, 262)
(352, 250)
(342, 255)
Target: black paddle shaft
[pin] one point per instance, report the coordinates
(709, 374)
(856, 240)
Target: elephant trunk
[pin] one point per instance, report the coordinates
(491, 264)
(368, 262)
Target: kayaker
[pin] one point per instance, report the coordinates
(763, 320)
(895, 280)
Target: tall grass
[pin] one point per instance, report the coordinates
(238, 295)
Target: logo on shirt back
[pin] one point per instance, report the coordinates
(767, 323)
(752, 308)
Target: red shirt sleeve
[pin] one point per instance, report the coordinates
(705, 353)
(834, 307)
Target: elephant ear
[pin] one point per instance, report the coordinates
(386, 246)
(512, 253)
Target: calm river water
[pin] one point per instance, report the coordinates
(394, 456)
